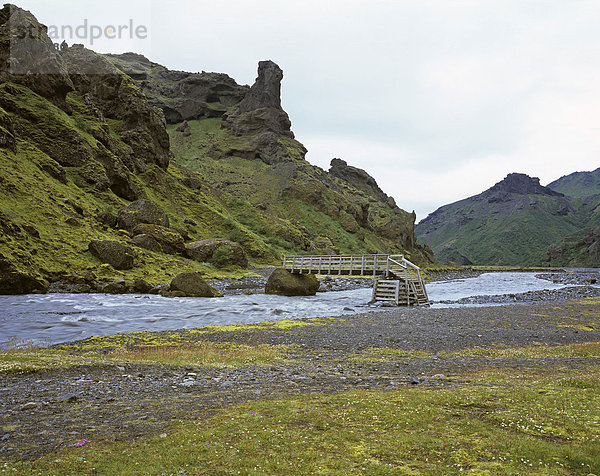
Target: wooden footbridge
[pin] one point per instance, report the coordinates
(397, 280)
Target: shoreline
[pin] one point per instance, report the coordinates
(130, 400)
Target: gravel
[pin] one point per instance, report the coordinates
(48, 410)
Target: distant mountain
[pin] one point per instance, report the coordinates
(583, 247)
(512, 223)
(578, 184)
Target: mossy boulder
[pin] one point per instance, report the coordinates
(107, 218)
(13, 282)
(284, 283)
(142, 211)
(217, 251)
(147, 242)
(170, 241)
(192, 284)
(118, 255)
(123, 286)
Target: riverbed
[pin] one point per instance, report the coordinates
(54, 318)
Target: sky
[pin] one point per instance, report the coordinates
(438, 100)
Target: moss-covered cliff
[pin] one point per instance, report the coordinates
(80, 140)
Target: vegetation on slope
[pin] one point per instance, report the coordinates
(578, 184)
(516, 222)
(78, 146)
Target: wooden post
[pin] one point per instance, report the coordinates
(407, 286)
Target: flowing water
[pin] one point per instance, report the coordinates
(53, 318)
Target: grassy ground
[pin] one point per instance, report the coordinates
(492, 423)
(507, 409)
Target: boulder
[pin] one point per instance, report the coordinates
(192, 285)
(116, 254)
(118, 287)
(170, 241)
(142, 211)
(217, 251)
(141, 286)
(13, 282)
(147, 242)
(107, 218)
(284, 283)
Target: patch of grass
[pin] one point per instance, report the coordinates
(587, 350)
(540, 428)
(589, 327)
(204, 354)
(156, 351)
(375, 355)
(275, 325)
(29, 361)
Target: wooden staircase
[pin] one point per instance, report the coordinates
(400, 293)
(397, 280)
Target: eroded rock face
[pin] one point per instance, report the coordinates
(181, 96)
(357, 177)
(142, 211)
(28, 56)
(192, 285)
(115, 96)
(204, 252)
(260, 110)
(284, 283)
(116, 254)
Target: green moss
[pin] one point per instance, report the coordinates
(285, 206)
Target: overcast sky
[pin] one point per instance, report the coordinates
(438, 100)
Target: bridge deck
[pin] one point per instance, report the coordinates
(402, 283)
(361, 265)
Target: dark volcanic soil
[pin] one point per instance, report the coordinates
(44, 411)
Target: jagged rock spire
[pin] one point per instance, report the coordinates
(260, 111)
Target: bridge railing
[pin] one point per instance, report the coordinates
(376, 264)
(399, 264)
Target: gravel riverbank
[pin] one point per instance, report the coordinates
(44, 411)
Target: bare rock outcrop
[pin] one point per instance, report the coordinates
(28, 56)
(260, 111)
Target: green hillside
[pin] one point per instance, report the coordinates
(82, 141)
(578, 184)
(513, 223)
(519, 222)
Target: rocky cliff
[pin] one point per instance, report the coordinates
(247, 151)
(114, 168)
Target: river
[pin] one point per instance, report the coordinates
(54, 318)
